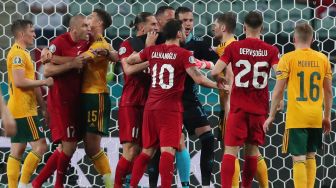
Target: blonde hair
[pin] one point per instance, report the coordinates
(304, 32)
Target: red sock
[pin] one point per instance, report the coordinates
(47, 170)
(123, 168)
(249, 170)
(62, 165)
(166, 169)
(139, 168)
(227, 170)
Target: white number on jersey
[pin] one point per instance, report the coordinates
(164, 67)
(256, 74)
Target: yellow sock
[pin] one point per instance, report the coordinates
(101, 163)
(299, 174)
(29, 166)
(235, 178)
(262, 174)
(311, 172)
(13, 171)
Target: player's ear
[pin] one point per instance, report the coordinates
(223, 28)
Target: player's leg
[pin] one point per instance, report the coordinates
(295, 141)
(14, 163)
(314, 143)
(96, 113)
(183, 163)
(166, 166)
(262, 174)
(235, 136)
(125, 163)
(207, 152)
(153, 170)
(140, 165)
(250, 165)
(39, 147)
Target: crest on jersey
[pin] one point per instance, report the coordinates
(17, 60)
(52, 48)
(191, 59)
(122, 50)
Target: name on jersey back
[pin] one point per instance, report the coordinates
(254, 53)
(161, 55)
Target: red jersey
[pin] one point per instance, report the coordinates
(136, 86)
(168, 64)
(251, 61)
(67, 86)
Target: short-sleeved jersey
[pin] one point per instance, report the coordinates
(220, 51)
(94, 75)
(22, 102)
(305, 70)
(168, 64)
(251, 61)
(67, 85)
(136, 86)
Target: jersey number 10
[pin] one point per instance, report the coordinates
(164, 67)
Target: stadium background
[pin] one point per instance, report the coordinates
(279, 20)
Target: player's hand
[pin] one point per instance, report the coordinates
(49, 81)
(46, 55)
(78, 62)
(281, 106)
(8, 122)
(151, 38)
(326, 124)
(203, 64)
(222, 84)
(101, 52)
(267, 124)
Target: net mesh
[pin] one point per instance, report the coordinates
(51, 18)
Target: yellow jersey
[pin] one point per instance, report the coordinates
(22, 102)
(94, 78)
(305, 70)
(220, 51)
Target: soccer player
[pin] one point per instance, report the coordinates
(224, 28)
(251, 60)
(64, 97)
(194, 116)
(95, 99)
(24, 96)
(162, 121)
(133, 99)
(307, 74)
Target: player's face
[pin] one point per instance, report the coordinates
(217, 30)
(167, 15)
(182, 36)
(83, 29)
(28, 35)
(151, 24)
(187, 21)
(93, 21)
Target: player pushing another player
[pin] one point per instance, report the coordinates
(307, 74)
(162, 121)
(251, 60)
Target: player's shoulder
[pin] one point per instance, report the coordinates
(320, 55)
(16, 50)
(125, 47)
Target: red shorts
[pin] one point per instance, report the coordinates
(130, 121)
(242, 127)
(161, 129)
(65, 123)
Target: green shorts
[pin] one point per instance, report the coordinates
(301, 141)
(28, 129)
(96, 110)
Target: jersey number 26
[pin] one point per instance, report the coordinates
(256, 74)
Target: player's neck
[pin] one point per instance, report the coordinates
(139, 33)
(21, 44)
(96, 33)
(301, 46)
(226, 37)
(173, 42)
(73, 37)
(253, 35)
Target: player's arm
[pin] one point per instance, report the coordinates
(328, 99)
(20, 81)
(8, 122)
(134, 59)
(40, 101)
(218, 69)
(131, 69)
(51, 69)
(199, 78)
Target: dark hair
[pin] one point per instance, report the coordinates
(104, 16)
(181, 10)
(19, 25)
(140, 18)
(253, 19)
(162, 9)
(171, 29)
(304, 31)
(229, 20)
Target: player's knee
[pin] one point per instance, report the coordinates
(202, 130)
(232, 150)
(17, 152)
(131, 152)
(41, 149)
(310, 155)
(298, 158)
(170, 150)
